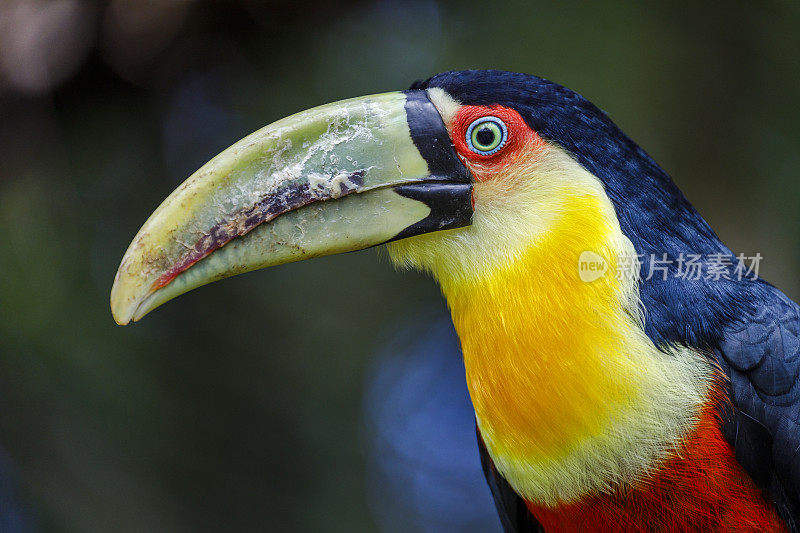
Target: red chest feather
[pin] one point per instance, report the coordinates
(703, 489)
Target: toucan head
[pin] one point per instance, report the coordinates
(459, 174)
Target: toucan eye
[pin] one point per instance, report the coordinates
(486, 135)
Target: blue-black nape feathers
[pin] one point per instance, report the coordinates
(647, 201)
(652, 211)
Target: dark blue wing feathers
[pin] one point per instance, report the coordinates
(761, 355)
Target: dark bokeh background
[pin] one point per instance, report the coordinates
(270, 402)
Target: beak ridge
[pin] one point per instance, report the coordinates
(336, 178)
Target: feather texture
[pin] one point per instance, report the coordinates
(747, 328)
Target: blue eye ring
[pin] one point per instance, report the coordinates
(479, 132)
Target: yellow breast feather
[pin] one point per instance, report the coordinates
(569, 393)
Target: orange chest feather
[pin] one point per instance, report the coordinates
(701, 489)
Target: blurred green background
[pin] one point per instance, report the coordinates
(241, 406)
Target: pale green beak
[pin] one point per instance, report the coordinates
(336, 178)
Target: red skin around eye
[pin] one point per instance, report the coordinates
(520, 135)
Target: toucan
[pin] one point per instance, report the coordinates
(627, 370)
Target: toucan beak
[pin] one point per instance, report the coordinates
(336, 178)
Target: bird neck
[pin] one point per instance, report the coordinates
(570, 395)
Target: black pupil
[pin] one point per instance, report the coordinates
(485, 136)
